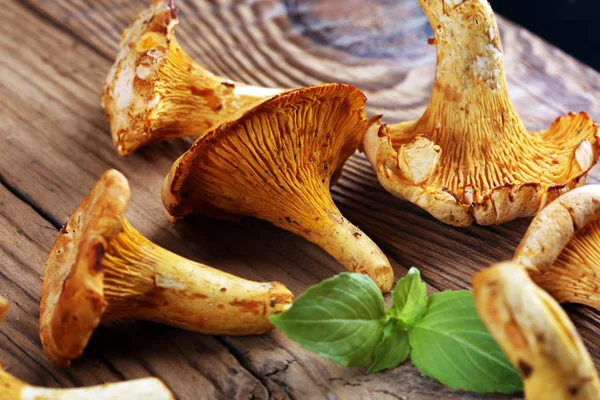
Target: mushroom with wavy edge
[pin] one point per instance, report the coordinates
(101, 268)
(275, 161)
(154, 91)
(469, 157)
(12, 388)
(561, 248)
(536, 335)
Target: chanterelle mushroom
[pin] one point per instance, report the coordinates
(12, 388)
(469, 157)
(155, 91)
(536, 335)
(276, 161)
(561, 248)
(101, 268)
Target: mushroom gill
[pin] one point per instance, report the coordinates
(155, 91)
(276, 161)
(101, 268)
(12, 388)
(469, 157)
(561, 248)
(536, 335)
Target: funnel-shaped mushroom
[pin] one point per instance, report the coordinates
(536, 335)
(101, 268)
(154, 91)
(12, 388)
(276, 161)
(469, 157)
(561, 248)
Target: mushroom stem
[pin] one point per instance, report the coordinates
(536, 335)
(145, 281)
(148, 388)
(351, 247)
(191, 99)
(470, 80)
(476, 66)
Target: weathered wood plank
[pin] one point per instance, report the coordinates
(55, 144)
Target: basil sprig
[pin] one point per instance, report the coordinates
(344, 319)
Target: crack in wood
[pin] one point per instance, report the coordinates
(240, 357)
(25, 199)
(388, 393)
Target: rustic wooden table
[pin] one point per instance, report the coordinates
(54, 144)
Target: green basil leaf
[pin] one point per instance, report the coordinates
(341, 318)
(393, 349)
(409, 298)
(451, 344)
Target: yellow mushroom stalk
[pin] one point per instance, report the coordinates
(101, 268)
(536, 335)
(12, 388)
(561, 248)
(469, 157)
(155, 91)
(276, 161)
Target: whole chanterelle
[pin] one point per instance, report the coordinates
(101, 268)
(276, 161)
(561, 249)
(12, 388)
(469, 157)
(154, 91)
(536, 335)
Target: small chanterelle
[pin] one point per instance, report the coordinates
(561, 249)
(12, 388)
(101, 268)
(469, 157)
(276, 161)
(154, 91)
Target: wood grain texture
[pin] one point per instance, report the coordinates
(54, 144)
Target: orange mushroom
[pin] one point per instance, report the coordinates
(536, 335)
(561, 248)
(469, 157)
(101, 268)
(276, 161)
(155, 91)
(12, 388)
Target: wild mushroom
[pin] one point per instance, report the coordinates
(536, 335)
(276, 161)
(12, 388)
(101, 268)
(561, 249)
(469, 157)
(154, 91)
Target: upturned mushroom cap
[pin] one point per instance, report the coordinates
(536, 335)
(101, 268)
(72, 300)
(561, 248)
(275, 161)
(469, 157)
(12, 388)
(154, 91)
